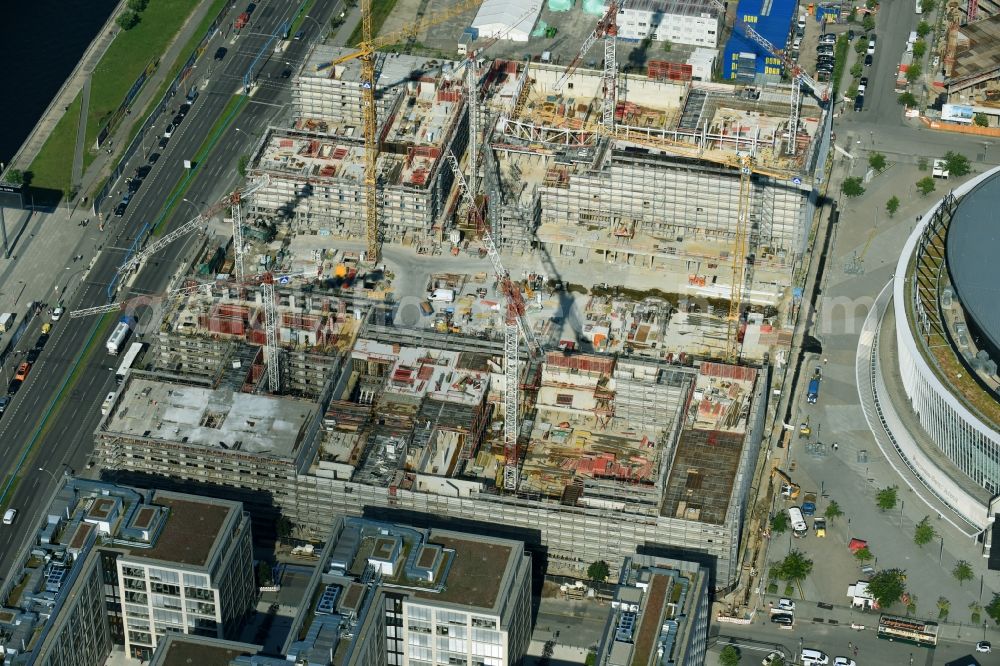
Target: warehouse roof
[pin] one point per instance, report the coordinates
(514, 19)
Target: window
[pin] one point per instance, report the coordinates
(564, 399)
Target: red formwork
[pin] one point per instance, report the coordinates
(726, 371)
(582, 362)
(662, 70)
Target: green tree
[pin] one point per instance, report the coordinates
(907, 99)
(923, 29)
(924, 532)
(599, 571)
(892, 205)
(962, 572)
(981, 120)
(863, 554)
(871, 4)
(137, 5)
(886, 498)
(241, 166)
(919, 49)
(877, 161)
(730, 656)
(860, 46)
(975, 613)
(868, 23)
(914, 72)
(944, 607)
(857, 69)
(925, 185)
(922, 164)
(852, 187)
(127, 20)
(993, 608)
(958, 164)
(779, 523)
(263, 573)
(833, 510)
(927, 6)
(14, 176)
(795, 567)
(888, 587)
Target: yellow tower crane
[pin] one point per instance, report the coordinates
(366, 54)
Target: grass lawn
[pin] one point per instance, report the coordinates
(129, 54)
(53, 167)
(380, 12)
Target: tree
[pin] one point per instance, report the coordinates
(833, 510)
(795, 567)
(907, 99)
(263, 573)
(927, 6)
(975, 613)
(925, 185)
(241, 166)
(958, 164)
(852, 187)
(981, 120)
(886, 498)
(877, 161)
(779, 523)
(127, 20)
(922, 164)
(888, 586)
(924, 532)
(599, 571)
(923, 29)
(944, 607)
(993, 608)
(863, 554)
(914, 72)
(868, 23)
(137, 5)
(730, 656)
(860, 46)
(919, 49)
(962, 572)
(14, 176)
(892, 205)
(857, 69)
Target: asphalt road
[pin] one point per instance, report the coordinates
(67, 440)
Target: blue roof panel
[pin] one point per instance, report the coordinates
(772, 19)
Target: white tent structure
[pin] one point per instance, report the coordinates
(501, 17)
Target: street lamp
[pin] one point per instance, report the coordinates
(193, 205)
(318, 24)
(53, 474)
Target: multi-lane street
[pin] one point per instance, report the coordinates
(58, 408)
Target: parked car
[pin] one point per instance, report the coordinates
(14, 386)
(120, 209)
(868, 60)
(786, 619)
(771, 658)
(252, 6)
(58, 312)
(134, 184)
(42, 339)
(850, 35)
(828, 38)
(299, 35)
(863, 81)
(221, 52)
(859, 102)
(984, 646)
(152, 158)
(844, 661)
(4, 401)
(786, 604)
(871, 45)
(177, 120)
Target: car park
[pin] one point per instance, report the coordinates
(152, 158)
(786, 619)
(221, 52)
(984, 646)
(786, 604)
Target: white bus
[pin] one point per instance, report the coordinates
(799, 527)
(129, 360)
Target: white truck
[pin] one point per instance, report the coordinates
(120, 335)
(6, 321)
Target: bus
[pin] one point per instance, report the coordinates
(799, 527)
(908, 630)
(129, 360)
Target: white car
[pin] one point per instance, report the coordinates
(984, 646)
(9, 516)
(786, 604)
(844, 661)
(771, 658)
(58, 312)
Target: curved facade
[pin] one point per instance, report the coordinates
(966, 439)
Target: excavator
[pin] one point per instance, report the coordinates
(789, 490)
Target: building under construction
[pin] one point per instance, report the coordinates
(316, 167)
(615, 454)
(661, 191)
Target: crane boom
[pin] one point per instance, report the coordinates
(607, 23)
(794, 69)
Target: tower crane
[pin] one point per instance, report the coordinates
(366, 54)
(606, 29)
(515, 323)
(233, 199)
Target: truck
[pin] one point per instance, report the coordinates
(242, 20)
(6, 321)
(812, 394)
(819, 526)
(443, 296)
(904, 67)
(809, 504)
(118, 337)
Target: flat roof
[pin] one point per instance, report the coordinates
(185, 650)
(210, 418)
(190, 531)
(476, 573)
(973, 245)
(649, 627)
(979, 51)
(701, 479)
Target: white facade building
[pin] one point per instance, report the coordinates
(512, 20)
(693, 22)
